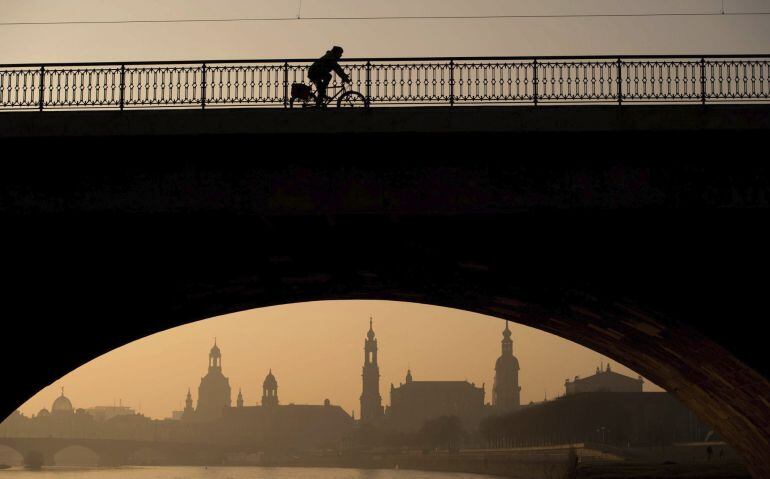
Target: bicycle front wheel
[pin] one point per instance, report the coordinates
(352, 99)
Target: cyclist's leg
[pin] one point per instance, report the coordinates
(320, 90)
(321, 87)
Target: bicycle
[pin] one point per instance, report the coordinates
(304, 96)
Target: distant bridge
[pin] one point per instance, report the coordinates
(116, 452)
(444, 81)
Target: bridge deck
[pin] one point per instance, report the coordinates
(387, 120)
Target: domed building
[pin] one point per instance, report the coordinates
(43, 413)
(62, 406)
(214, 392)
(270, 390)
(506, 393)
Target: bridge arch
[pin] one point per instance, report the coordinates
(501, 238)
(11, 456)
(673, 355)
(77, 455)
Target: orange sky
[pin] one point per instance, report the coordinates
(527, 36)
(316, 352)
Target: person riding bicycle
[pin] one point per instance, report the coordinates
(320, 72)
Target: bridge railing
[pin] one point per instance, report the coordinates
(391, 81)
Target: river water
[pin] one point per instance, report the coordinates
(229, 473)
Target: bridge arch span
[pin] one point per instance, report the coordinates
(646, 260)
(11, 456)
(77, 455)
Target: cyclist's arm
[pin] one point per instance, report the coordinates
(339, 71)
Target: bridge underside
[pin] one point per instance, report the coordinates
(643, 245)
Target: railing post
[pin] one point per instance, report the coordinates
(534, 84)
(368, 82)
(122, 86)
(620, 82)
(703, 81)
(286, 84)
(42, 88)
(451, 82)
(203, 87)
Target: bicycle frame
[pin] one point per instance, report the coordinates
(341, 90)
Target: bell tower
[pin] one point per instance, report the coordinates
(371, 401)
(506, 391)
(270, 391)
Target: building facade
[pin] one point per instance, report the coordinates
(414, 402)
(275, 427)
(604, 380)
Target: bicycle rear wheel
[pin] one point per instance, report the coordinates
(352, 99)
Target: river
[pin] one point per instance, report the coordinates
(229, 473)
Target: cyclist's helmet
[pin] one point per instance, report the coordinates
(337, 51)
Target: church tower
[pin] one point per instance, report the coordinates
(506, 392)
(188, 412)
(239, 401)
(214, 392)
(270, 391)
(371, 401)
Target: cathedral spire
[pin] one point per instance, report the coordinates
(370, 334)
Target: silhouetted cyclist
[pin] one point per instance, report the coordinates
(320, 72)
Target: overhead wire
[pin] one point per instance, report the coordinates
(299, 17)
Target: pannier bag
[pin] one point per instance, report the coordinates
(300, 90)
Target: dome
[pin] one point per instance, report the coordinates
(43, 413)
(62, 405)
(507, 362)
(215, 352)
(270, 381)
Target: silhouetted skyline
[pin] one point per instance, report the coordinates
(315, 350)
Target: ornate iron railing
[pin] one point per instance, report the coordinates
(391, 81)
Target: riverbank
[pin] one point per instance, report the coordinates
(663, 471)
(552, 462)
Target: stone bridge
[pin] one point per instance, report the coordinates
(645, 240)
(116, 452)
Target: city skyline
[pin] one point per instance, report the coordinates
(249, 340)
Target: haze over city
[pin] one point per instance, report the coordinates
(316, 351)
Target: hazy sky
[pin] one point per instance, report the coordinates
(274, 39)
(316, 352)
